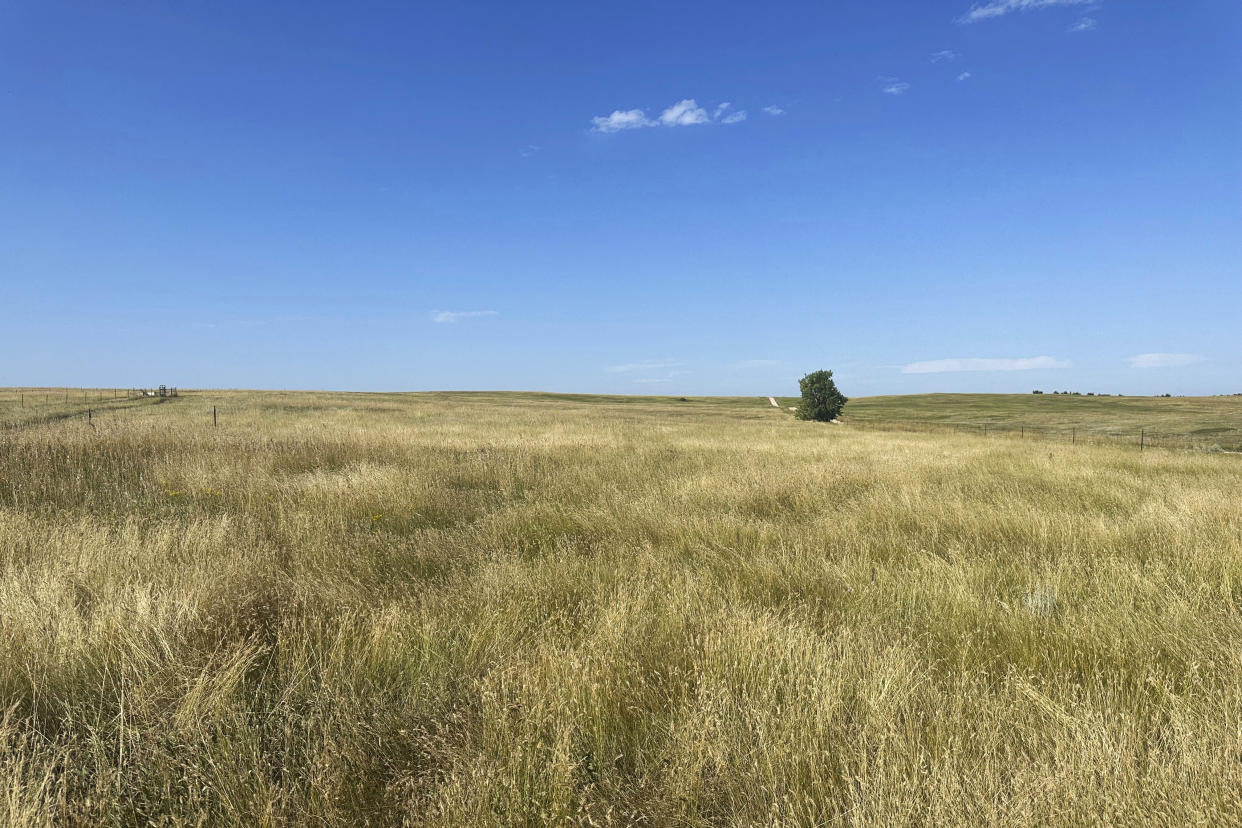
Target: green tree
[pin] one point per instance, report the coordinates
(821, 400)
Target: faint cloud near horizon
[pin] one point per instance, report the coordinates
(646, 365)
(448, 317)
(945, 366)
(1163, 360)
(999, 8)
(651, 371)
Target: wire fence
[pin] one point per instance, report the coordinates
(25, 408)
(1217, 440)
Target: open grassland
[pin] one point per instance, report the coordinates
(496, 609)
(1175, 422)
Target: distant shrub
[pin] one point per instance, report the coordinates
(1039, 392)
(821, 400)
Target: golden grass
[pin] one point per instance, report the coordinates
(503, 610)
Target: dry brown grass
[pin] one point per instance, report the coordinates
(502, 609)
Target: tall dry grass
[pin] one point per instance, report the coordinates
(500, 610)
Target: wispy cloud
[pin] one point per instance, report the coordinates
(256, 322)
(963, 76)
(1163, 360)
(774, 110)
(750, 364)
(647, 365)
(651, 371)
(683, 113)
(943, 56)
(946, 366)
(447, 317)
(1084, 25)
(999, 8)
(737, 116)
(892, 86)
(528, 150)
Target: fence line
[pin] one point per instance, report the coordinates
(1140, 437)
(67, 407)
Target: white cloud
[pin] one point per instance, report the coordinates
(1084, 25)
(998, 8)
(945, 366)
(943, 55)
(1163, 360)
(457, 316)
(684, 113)
(963, 76)
(896, 87)
(619, 120)
(528, 150)
(774, 110)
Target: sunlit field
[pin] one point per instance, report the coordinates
(1205, 423)
(504, 609)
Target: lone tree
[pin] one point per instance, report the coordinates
(821, 401)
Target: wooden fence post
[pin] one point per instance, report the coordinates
(1142, 438)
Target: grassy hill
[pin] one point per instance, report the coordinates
(528, 609)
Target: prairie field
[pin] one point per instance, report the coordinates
(1173, 422)
(530, 609)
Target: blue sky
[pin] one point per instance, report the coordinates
(638, 197)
